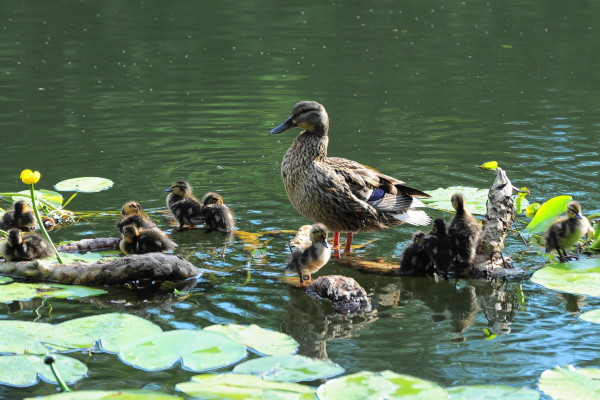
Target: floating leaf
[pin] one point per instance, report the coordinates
(571, 383)
(263, 341)
(547, 212)
(17, 292)
(578, 277)
(196, 349)
(49, 197)
(107, 395)
(289, 368)
(591, 316)
(238, 386)
(475, 199)
(491, 392)
(23, 370)
(5, 279)
(380, 385)
(90, 257)
(491, 165)
(88, 184)
(532, 209)
(20, 337)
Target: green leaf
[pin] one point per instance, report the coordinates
(532, 209)
(380, 385)
(263, 341)
(23, 370)
(49, 197)
(20, 337)
(90, 257)
(547, 212)
(107, 395)
(490, 165)
(66, 291)
(196, 349)
(289, 368)
(238, 386)
(5, 279)
(571, 383)
(86, 184)
(17, 292)
(475, 199)
(591, 316)
(577, 277)
(491, 392)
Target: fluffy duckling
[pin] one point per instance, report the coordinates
(312, 258)
(437, 245)
(415, 260)
(186, 209)
(218, 216)
(342, 194)
(25, 248)
(464, 231)
(132, 214)
(21, 216)
(142, 241)
(565, 232)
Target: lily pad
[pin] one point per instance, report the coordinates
(491, 392)
(263, 341)
(475, 199)
(591, 316)
(238, 386)
(5, 279)
(577, 277)
(49, 197)
(25, 337)
(571, 383)
(107, 395)
(289, 368)
(380, 385)
(17, 291)
(547, 212)
(90, 257)
(24, 370)
(88, 184)
(197, 351)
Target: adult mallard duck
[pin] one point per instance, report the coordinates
(21, 217)
(342, 194)
(142, 241)
(217, 215)
(186, 209)
(25, 248)
(437, 245)
(309, 260)
(415, 260)
(565, 232)
(464, 231)
(132, 214)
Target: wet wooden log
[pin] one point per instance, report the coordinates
(344, 292)
(85, 245)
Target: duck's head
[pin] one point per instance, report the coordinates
(212, 198)
(131, 208)
(308, 115)
(574, 210)
(14, 238)
(180, 188)
(418, 236)
(21, 207)
(318, 234)
(439, 226)
(130, 232)
(458, 201)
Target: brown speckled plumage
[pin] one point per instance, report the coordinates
(437, 244)
(25, 248)
(142, 241)
(464, 231)
(565, 232)
(309, 260)
(132, 214)
(186, 209)
(217, 215)
(21, 217)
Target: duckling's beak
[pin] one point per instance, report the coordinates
(579, 216)
(169, 190)
(287, 124)
(325, 243)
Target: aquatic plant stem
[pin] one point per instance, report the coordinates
(41, 223)
(50, 360)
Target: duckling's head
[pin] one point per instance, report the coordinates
(308, 115)
(418, 236)
(21, 207)
(212, 198)
(318, 234)
(458, 201)
(131, 208)
(438, 227)
(574, 210)
(180, 188)
(130, 232)
(14, 238)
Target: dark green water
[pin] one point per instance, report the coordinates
(145, 93)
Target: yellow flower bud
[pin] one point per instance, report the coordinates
(28, 176)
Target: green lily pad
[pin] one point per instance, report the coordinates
(90, 257)
(247, 387)
(88, 184)
(289, 368)
(491, 392)
(591, 316)
(571, 383)
(20, 337)
(5, 279)
(263, 341)
(17, 292)
(196, 349)
(547, 212)
(24, 370)
(475, 199)
(50, 197)
(577, 277)
(107, 395)
(380, 385)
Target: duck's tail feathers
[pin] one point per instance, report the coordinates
(416, 203)
(411, 191)
(414, 217)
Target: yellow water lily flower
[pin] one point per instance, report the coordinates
(28, 176)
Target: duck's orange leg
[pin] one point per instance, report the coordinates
(348, 242)
(336, 240)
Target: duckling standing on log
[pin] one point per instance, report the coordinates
(438, 246)
(132, 214)
(25, 248)
(565, 232)
(464, 231)
(186, 209)
(142, 241)
(218, 216)
(311, 259)
(342, 194)
(415, 260)
(21, 217)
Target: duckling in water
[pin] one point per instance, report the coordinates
(186, 209)
(132, 214)
(565, 232)
(342, 194)
(142, 241)
(312, 258)
(464, 231)
(218, 216)
(21, 217)
(437, 245)
(415, 260)
(25, 248)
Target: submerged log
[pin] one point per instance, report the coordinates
(85, 245)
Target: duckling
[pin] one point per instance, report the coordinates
(21, 217)
(132, 214)
(142, 241)
(437, 245)
(565, 232)
(342, 194)
(312, 258)
(415, 260)
(25, 248)
(218, 216)
(464, 231)
(186, 209)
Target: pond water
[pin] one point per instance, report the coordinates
(146, 93)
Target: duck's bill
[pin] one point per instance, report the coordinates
(287, 124)
(169, 190)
